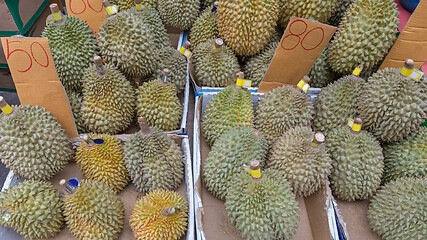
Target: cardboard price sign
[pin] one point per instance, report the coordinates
(33, 71)
(412, 41)
(301, 45)
(90, 11)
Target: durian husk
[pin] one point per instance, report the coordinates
(148, 222)
(104, 162)
(336, 17)
(176, 63)
(321, 73)
(179, 14)
(204, 28)
(398, 210)
(75, 99)
(257, 65)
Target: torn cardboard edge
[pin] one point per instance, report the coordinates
(321, 220)
(12, 180)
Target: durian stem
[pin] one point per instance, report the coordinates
(255, 168)
(240, 75)
(408, 64)
(55, 10)
(5, 107)
(217, 46)
(99, 66)
(317, 140)
(67, 190)
(168, 211)
(89, 141)
(186, 45)
(145, 129)
(165, 74)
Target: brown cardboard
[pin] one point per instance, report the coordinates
(31, 64)
(90, 11)
(412, 41)
(295, 55)
(174, 36)
(214, 220)
(26, 10)
(128, 197)
(354, 217)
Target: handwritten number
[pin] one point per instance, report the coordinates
(299, 35)
(32, 54)
(18, 50)
(321, 40)
(9, 53)
(71, 8)
(90, 6)
(85, 5)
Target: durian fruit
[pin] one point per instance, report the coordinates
(357, 163)
(204, 28)
(398, 210)
(336, 17)
(33, 144)
(247, 25)
(153, 159)
(154, 23)
(257, 66)
(125, 5)
(237, 146)
(73, 46)
(282, 109)
(206, 4)
(301, 157)
(100, 157)
(392, 105)
(94, 211)
(176, 63)
(108, 99)
(264, 207)
(158, 103)
(337, 102)
(365, 34)
(76, 100)
(179, 14)
(406, 158)
(229, 108)
(216, 64)
(318, 10)
(126, 41)
(321, 73)
(33, 209)
(160, 215)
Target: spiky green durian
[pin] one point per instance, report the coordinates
(321, 73)
(406, 158)
(76, 100)
(94, 211)
(336, 17)
(357, 164)
(282, 109)
(229, 108)
(238, 146)
(392, 106)
(318, 10)
(398, 210)
(73, 46)
(33, 209)
(213, 68)
(158, 103)
(176, 63)
(204, 28)
(160, 215)
(126, 41)
(125, 5)
(108, 100)
(264, 209)
(337, 102)
(153, 160)
(179, 14)
(366, 32)
(304, 164)
(102, 161)
(154, 23)
(33, 144)
(206, 3)
(257, 66)
(247, 25)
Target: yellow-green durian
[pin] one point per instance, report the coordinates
(33, 209)
(100, 157)
(179, 14)
(176, 63)
(204, 28)
(257, 65)
(321, 73)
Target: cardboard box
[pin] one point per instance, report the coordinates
(317, 218)
(128, 196)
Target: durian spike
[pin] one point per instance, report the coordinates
(217, 46)
(357, 126)
(357, 70)
(99, 66)
(89, 141)
(165, 74)
(317, 140)
(255, 170)
(145, 129)
(168, 211)
(56, 13)
(240, 75)
(186, 45)
(5, 107)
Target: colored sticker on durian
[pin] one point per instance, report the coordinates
(187, 53)
(141, 7)
(243, 82)
(7, 109)
(357, 71)
(54, 17)
(412, 73)
(303, 86)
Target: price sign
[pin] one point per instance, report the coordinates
(90, 11)
(301, 45)
(33, 71)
